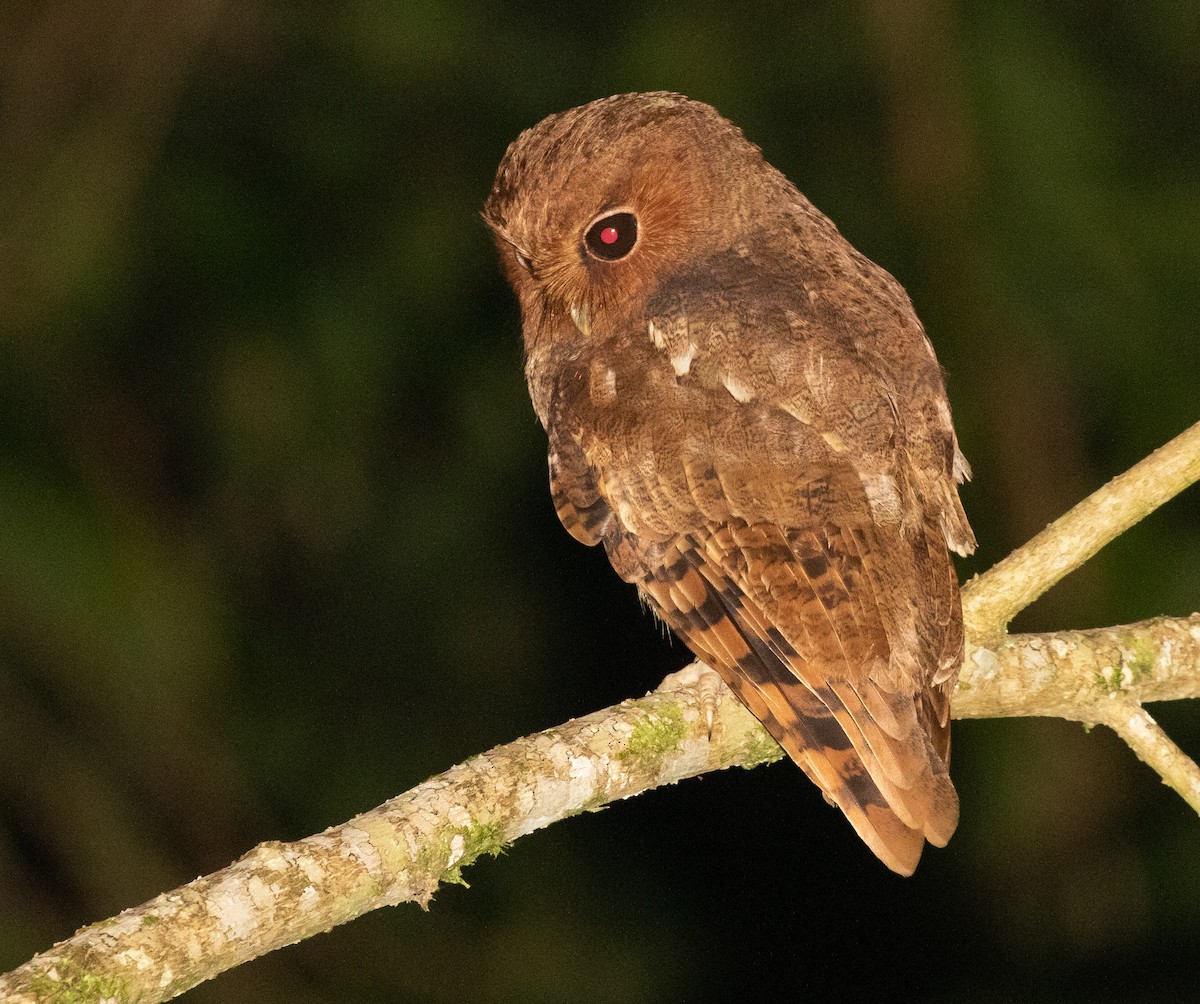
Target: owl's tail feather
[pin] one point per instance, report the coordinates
(893, 789)
(864, 746)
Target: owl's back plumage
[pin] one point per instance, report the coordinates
(747, 414)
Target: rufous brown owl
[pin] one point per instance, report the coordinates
(747, 414)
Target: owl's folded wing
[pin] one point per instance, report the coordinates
(778, 479)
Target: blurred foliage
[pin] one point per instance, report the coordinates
(275, 540)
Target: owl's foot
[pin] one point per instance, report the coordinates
(705, 683)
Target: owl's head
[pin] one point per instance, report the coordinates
(592, 207)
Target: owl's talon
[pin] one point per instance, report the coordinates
(705, 683)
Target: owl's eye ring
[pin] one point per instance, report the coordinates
(612, 236)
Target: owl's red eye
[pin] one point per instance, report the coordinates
(612, 237)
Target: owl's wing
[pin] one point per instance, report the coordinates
(801, 555)
(876, 748)
(800, 623)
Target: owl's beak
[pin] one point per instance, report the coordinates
(580, 316)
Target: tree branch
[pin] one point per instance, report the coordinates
(1102, 676)
(282, 893)
(993, 599)
(1153, 746)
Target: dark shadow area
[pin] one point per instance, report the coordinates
(275, 536)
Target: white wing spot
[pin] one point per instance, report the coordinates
(884, 497)
(738, 389)
(656, 335)
(580, 316)
(682, 361)
(796, 409)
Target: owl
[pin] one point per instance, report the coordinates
(748, 416)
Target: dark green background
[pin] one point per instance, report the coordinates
(275, 539)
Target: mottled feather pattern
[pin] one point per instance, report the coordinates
(747, 414)
(870, 757)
